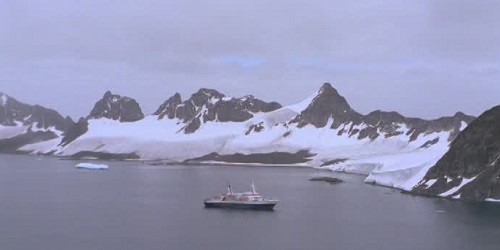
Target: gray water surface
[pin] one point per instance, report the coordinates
(46, 203)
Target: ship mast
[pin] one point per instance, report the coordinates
(253, 188)
(5, 112)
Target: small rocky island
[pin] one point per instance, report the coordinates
(331, 180)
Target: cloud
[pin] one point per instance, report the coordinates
(278, 50)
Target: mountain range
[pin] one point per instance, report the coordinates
(430, 157)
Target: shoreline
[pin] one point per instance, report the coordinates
(232, 164)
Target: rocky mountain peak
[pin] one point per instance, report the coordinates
(327, 104)
(329, 93)
(463, 117)
(327, 88)
(107, 94)
(116, 107)
(205, 97)
(176, 97)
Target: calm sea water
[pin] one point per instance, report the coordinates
(46, 203)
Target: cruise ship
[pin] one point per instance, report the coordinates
(247, 200)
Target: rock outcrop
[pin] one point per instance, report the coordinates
(116, 107)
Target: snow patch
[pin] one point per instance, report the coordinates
(495, 161)
(463, 125)
(3, 99)
(431, 182)
(455, 189)
(492, 200)
(213, 100)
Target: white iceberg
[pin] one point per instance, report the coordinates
(92, 166)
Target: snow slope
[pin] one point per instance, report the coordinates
(12, 131)
(44, 147)
(150, 139)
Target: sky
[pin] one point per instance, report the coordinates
(420, 58)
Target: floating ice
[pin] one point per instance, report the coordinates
(92, 166)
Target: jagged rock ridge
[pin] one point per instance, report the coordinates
(15, 113)
(330, 106)
(210, 105)
(35, 123)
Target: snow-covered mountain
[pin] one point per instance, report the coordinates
(322, 131)
(329, 109)
(471, 168)
(205, 120)
(23, 125)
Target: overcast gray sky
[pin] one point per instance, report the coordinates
(421, 58)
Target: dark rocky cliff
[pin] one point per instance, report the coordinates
(474, 154)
